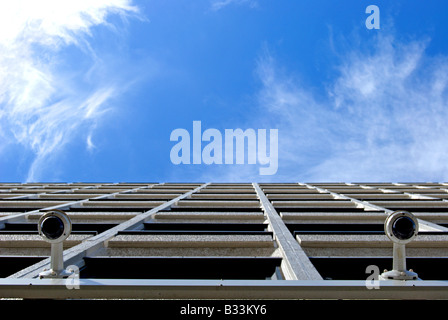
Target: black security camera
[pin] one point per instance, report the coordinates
(52, 227)
(401, 227)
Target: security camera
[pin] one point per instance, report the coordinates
(54, 227)
(401, 227)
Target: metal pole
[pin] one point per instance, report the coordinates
(399, 263)
(57, 262)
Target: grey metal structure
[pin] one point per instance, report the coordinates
(223, 240)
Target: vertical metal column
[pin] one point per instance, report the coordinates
(295, 265)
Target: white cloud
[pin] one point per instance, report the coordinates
(90, 144)
(220, 4)
(384, 118)
(45, 101)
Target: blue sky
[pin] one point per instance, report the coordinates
(91, 90)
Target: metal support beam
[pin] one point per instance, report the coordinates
(424, 225)
(20, 216)
(297, 265)
(360, 203)
(220, 289)
(74, 255)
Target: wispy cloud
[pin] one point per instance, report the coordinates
(44, 100)
(220, 4)
(383, 118)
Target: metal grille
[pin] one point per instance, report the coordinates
(222, 240)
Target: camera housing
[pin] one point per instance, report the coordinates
(54, 227)
(401, 227)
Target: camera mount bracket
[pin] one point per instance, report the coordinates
(399, 271)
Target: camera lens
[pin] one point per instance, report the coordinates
(52, 227)
(403, 228)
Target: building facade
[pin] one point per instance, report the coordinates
(223, 240)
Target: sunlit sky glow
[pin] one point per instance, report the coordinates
(91, 90)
